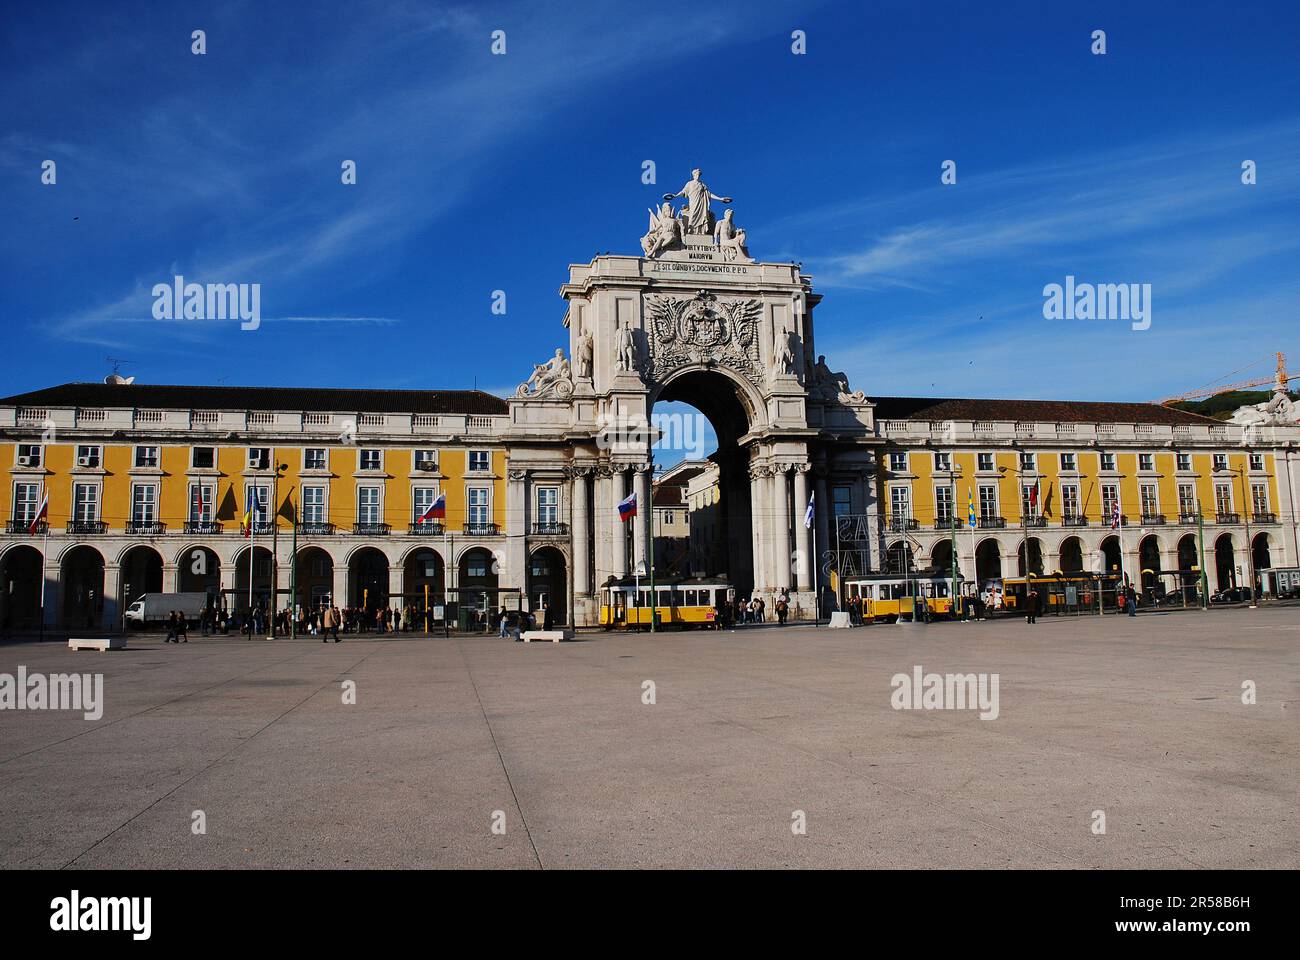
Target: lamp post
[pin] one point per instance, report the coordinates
(274, 517)
(1250, 547)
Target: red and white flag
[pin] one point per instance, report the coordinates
(42, 512)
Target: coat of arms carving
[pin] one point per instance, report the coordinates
(704, 331)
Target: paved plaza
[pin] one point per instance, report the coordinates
(1139, 718)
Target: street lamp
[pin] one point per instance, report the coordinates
(275, 544)
(1250, 547)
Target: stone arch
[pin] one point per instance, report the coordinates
(314, 578)
(1070, 555)
(140, 571)
(1112, 557)
(548, 582)
(81, 586)
(260, 557)
(1149, 558)
(1225, 562)
(21, 569)
(988, 560)
(1033, 547)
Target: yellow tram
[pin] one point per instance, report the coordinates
(1061, 591)
(888, 597)
(625, 604)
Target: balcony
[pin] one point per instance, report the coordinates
(550, 529)
(202, 527)
(262, 528)
(898, 524)
(1264, 518)
(1153, 519)
(992, 523)
(480, 529)
(1074, 520)
(146, 528)
(948, 523)
(316, 528)
(87, 527)
(430, 528)
(25, 528)
(370, 529)
(1227, 518)
(1035, 521)
(1189, 519)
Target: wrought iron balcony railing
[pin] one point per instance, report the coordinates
(992, 523)
(1263, 518)
(1189, 519)
(948, 523)
(1227, 518)
(480, 529)
(25, 528)
(370, 529)
(316, 528)
(430, 528)
(87, 527)
(898, 524)
(551, 529)
(1153, 519)
(203, 527)
(146, 528)
(1074, 520)
(1035, 521)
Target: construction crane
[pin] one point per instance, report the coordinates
(1279, 381)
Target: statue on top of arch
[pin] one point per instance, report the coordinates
(671, 229)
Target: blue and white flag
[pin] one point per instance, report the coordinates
(808, 514)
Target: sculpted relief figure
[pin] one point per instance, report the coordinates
(697, 218)
(626, 345)
(552, 376)
(1279, 409)
(586, 350)
(730, 239)
(782, 358)
(665, 232)
(832, 386)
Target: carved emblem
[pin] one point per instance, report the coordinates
(704, 330)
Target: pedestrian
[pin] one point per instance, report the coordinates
(180, 628)
(1131, 595)
(782, 608)
(1031, 606)
(171, 627)
(503, 621)
(548, 617)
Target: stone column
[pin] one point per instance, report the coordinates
(340, 596)
(618, 490)
(644, 518)
(516, 549)
(802, 535)
(169, 578)
(600, 525)
(822, 508)
(780, 528)
(112, 617)
(581, 532)
(757, 510)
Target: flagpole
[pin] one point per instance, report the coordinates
(817, 611)
(293, 578)
(252, 552)
(650, 549)
(45, 552)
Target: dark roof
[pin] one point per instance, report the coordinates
(1060, 411)
(260, 398)
(669, 494)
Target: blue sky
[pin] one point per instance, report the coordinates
(479, 172)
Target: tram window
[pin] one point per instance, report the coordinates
(692, 598)
(643, 598)
(678, 599)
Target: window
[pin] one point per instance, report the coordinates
(988, 501)
(943, 504)
(85, 502)
(667, 520)
(313, 504)
(1147, 493)
(1184, 461)
(1109, 501)
(984, 461)
(26, 502)
(943, 461)
(1028, 461)
(900, 503)
(842, 501)
(423, 498)
(1258, 498)
(1070, 500)
(1186, 499)
(321, 566)
(1069, 462)
(1220, 461)
(29, 454)
(368, 505)
(201, 497)
(203, 458)
(479, 506)
(476, 565)
(1108, 461)
(372, 460)
(1146, 461)
(478, 461)
(425, 460)
(1029, 504)
(258, 498)
(88, 456)
(144, 503)
(1223, 498)
(259, 458)
(1257, 461)
(548, 506)
(313, 458)
(146, 456)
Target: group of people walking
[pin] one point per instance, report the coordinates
(753, 610)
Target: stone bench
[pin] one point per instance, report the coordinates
(554, 636)
(840, 618)
(99, 643)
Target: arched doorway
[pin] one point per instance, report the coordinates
(988, 562)
(1034, 548)
(730, 414)
(368, 579)
(261, 580)
(1261, 552)
(1112, 560)
(1225, 563)
(81, 585)
(478, 580)
(899, 559)
(424, 575)
(198, 570)
(1189, 563)
(1071, 556)
(941, 557)
(20, 579)
(315, 578)
(548, 584)
(1149, 562)
(141, 572)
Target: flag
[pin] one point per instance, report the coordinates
(436, 511)
(1033, 499)
(42, 512)
(970, 506)
(627, 507)
(197, 506)
(246, 524)
(808, 514)
(1114, 515)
